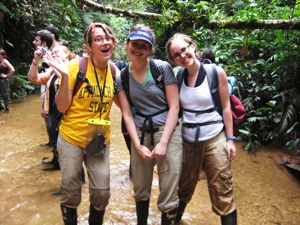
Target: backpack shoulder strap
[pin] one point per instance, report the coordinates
(158, 73)
(83, 62)
(113, 73)
(212, 77)
(179, 77)
(125, 79)
(112, 69)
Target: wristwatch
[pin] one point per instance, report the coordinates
(230, 138)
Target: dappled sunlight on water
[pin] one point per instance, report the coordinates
(265, 192)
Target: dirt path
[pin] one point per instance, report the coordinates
(266, 193)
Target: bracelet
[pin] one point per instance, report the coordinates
(34, 63)
(230, 139)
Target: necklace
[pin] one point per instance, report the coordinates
(103, 88)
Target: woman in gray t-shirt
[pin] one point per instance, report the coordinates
(150, 107)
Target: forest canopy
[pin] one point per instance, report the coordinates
(257, 41)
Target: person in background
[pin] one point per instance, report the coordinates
(6, 70)
(119, 63)
(43, 40)
(207, 54)
(50, 78)
(64, 43)
(156, 137)
(77, 53)
(85, 120)
(55, 34)
(207, 135)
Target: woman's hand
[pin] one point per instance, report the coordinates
(144, 152)
(160, 150)
(231, 150)
(60, 68)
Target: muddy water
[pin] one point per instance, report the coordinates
(266, 193)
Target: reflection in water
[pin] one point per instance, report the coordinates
(265, 194)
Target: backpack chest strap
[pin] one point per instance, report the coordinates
(151, 129)
(200, 111)
(198, 125)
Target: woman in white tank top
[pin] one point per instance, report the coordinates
(207, 134)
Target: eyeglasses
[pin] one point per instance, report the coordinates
(177, 55)
(100, 40)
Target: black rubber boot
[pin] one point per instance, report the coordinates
(180, 211)
(55, 158)
(69, 215)
(96, 217)
(230, 219)
(142, 210)
(169, 218)
(54, 161)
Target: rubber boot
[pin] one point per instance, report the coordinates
(230, 219)
(69, 215)
(142, 211)
(96, 217)
(55, 158)
(54, 161)
(169, 218)
(180, 211)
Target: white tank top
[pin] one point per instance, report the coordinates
(199, 99)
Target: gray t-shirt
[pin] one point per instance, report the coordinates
(149, 98)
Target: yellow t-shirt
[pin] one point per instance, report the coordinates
(74, 127)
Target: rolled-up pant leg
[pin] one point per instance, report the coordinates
(142, 172)
(70, 160)
(98, 168)
(219, 175)
(169, 169)
(191, 168)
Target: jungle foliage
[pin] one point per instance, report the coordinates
(265, 61)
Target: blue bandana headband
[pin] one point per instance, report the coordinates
(141, 35)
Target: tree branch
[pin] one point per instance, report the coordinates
(293, 24)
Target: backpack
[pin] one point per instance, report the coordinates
(237, 108)
(81, 76)
(120, 64)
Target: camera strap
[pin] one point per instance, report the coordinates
(103, 89)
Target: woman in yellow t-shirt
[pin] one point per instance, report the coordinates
(84, 133)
